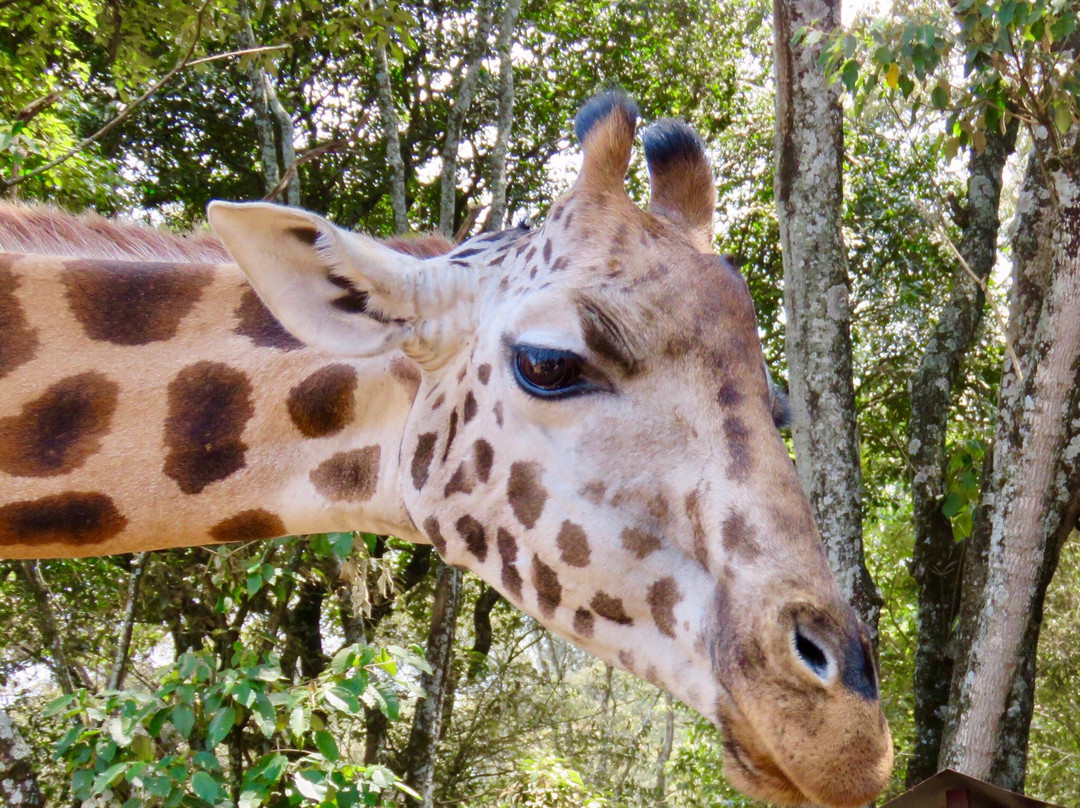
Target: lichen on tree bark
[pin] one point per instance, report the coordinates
(809, 195)
(937, 557)
(1029, 500)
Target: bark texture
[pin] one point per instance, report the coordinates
(809, 194)
(937, 558)
(467, 77)
(418, 764)
(393, 142)
(1032, 481)
(272, 121)
(127, 624)
(504, 42)
(18, 784)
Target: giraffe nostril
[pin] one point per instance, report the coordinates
(811, 654)
(859, 673)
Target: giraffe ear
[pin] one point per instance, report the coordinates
(605, 127)
(683, 188)
(340, 292)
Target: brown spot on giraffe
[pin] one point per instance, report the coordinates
(324, 402)
(209, 405)
(422, 457)
(584, 622)
(594, 491)
(573, 544)
(77, 518)
(255, 322)
(459, 483)
(434, 534)
(475, 538)
(132, 303)
(526, 493)
(662, 598)
(483, 373)
(498, 410)
(610, 608)
(57, 431)
(639, 542)
(738, 442)
(468, 410)
(250, 525)
(728, 396)
(739, 536)
(407, 374)
(697, 529)
(451, 433)
(18, 341)
(548, 588)
(349, 476)
(484, 457)
(508, 552)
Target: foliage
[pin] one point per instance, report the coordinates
(980, 63)
(176, 744)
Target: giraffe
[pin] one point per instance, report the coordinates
(578, 413)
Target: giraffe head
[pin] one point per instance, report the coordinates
(593, 432)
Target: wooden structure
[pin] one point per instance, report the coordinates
(950, 789)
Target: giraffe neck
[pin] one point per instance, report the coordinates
(150, 405)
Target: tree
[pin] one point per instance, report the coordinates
(809, 193)
(1018, 63)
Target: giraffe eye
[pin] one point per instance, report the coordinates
(548, 372)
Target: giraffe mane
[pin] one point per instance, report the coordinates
(39, 230)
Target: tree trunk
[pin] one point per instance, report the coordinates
(1029, 501)
(664, 755)
(419, 761)
(497, 212)
(393, 141)
(937, 557)
(455, 119)
(482, 630)
(809, 194)
(18, 783)
(268, 111)
(127, 624)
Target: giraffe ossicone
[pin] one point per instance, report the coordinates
(578, 413)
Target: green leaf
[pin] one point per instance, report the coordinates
(298, 721)
(939, 96)
(341, 544)
(311, 785)
(265, 716)
(108, 777)
(1063, 116)
(220, 725)
(143, 747)
(849, 73)
(327, 745)
(59, 705)
(205, 787)
(951, 506)
(341, 699)
(206, 760)
(183, 718)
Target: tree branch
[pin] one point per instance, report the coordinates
(120, 660)
(122, 116)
